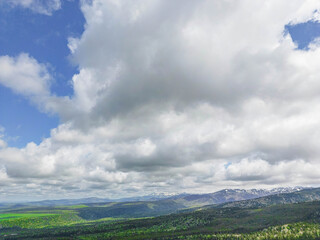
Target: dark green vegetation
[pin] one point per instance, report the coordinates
(129, 210)
(283, 216)
(207, 224)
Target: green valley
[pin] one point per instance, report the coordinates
(267, 218)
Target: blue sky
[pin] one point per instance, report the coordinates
(45, 39)
(304, 33)
(157, 96)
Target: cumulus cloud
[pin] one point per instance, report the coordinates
(24, 75)
(46, 7)
(177, 96)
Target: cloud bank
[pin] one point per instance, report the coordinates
(174, 96)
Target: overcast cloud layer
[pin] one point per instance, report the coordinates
(173, 96)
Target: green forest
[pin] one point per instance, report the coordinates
(165, 220)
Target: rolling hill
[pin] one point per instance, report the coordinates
(305, 195)
(300, 220)
(94, 209)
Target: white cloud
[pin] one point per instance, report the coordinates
(177, 96)
(24, 75)
(3, 144)
(46, 7)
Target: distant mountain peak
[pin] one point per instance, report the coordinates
(231, 195)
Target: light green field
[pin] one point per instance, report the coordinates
(133, 203)
(106, 205)
(9, 216)
(72, 206)
(39, 220)
(151, 205)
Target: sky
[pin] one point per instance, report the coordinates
(115, 98)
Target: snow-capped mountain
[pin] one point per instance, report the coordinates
(230, 195)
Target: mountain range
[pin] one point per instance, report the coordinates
(185, 199)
